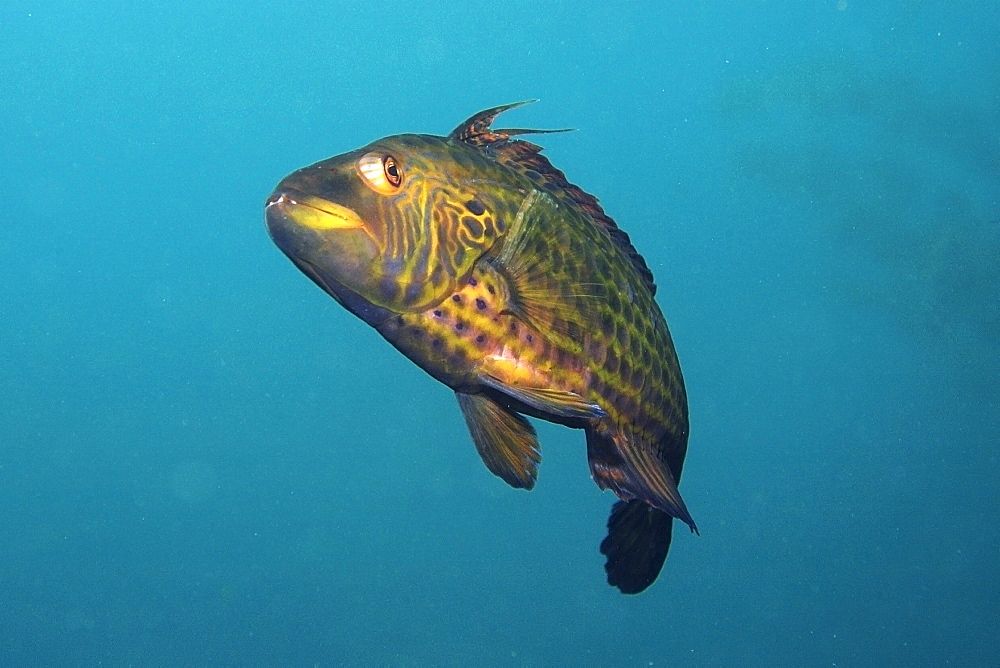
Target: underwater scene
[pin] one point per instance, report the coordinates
(252, 254)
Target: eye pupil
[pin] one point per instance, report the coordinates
(392, 173)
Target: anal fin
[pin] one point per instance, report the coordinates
(632, 470)
(505, 440)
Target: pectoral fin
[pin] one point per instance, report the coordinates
(534, 292)
(506, 441)
(560, 403)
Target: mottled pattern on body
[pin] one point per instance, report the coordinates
(437, 226)
(480, 262)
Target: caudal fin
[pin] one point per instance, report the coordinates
(636, 545)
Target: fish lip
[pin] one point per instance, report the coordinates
(330, 214)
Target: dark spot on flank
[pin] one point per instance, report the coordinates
(625, 370)
(490, 289)
(614, 301)
(513, 327)
(417, 332)
(474, 226)
(638, 377)
(530, 338)
(475, 207)
(457, 299)
(501, 225)
(459, 326)
(473, 282)
(436, 343)
(480, 338)
(611, 360)
(437, 313)
(607, 324)
(480, 303)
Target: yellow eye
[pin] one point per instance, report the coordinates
(381, 172)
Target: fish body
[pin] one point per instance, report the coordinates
(480, 262)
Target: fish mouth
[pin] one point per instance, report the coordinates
(297, 240)
(312, 212)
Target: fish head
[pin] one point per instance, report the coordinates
(393, 227)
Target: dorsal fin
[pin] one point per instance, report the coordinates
(477, 130)
(527, 158)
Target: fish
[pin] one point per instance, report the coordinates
(478, 260)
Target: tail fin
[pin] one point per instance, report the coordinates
(636, 545)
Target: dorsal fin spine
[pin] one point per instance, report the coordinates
(478, 131)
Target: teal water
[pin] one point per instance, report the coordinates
(205, 460)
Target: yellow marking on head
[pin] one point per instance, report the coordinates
(319, 214)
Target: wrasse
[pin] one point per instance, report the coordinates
(479, 261)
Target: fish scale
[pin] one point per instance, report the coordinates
(480, 262)
(455, 334)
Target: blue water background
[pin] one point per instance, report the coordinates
(205, 460)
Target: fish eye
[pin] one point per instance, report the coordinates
(391, 169)
(380, 172)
